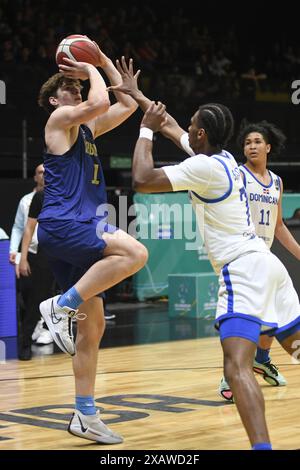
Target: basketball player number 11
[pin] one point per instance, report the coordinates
(95, 180)
(262, 220)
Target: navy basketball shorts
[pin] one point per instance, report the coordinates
(72, 247)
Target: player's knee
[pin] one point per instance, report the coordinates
(138, 255)
(142, 255)
(235, 369)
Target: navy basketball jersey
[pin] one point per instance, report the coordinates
(74, 181)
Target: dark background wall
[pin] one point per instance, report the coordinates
(11, 191)
(188, 54)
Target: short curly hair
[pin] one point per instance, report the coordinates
(271, 134)
(50, 87)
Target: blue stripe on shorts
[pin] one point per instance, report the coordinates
(229, 289)
(240, 327)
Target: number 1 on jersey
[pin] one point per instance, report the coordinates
(95, 180)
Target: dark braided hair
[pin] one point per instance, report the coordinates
(218, 123)
(271, 135)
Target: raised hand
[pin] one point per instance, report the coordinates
(104, 61)
(129, 84)
(74, 69)
(155, 116)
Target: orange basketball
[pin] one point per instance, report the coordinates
(78, 47)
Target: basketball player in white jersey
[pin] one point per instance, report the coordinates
(260, 141)
(256, 293)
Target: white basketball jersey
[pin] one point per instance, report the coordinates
(220, 201)
(263, 200)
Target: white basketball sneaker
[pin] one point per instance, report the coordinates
(224, 390)
(59, 322)
(45, 337)
(38, 330)
(270, 373)
(91, 427)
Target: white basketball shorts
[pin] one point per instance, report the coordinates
(257, 286)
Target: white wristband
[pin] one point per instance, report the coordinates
(146, 133)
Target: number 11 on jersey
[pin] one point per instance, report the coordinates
(264, 220)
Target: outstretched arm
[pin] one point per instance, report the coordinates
(146, 178)
(194, 173)
(170, 128)
(283, 234)
(119, 111)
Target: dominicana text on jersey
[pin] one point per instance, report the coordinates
(263, 200)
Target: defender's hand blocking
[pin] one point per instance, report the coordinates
(129, 84)
(155, 116)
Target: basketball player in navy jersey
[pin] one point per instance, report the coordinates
(259, 142)
(86, 254)
(256, 293)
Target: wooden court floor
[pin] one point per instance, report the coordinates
(158, 396)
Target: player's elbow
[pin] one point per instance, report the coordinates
(136, 185)
(93, 109)
(278, 229)
(140, 186)
(133, 106)
(101, 106)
